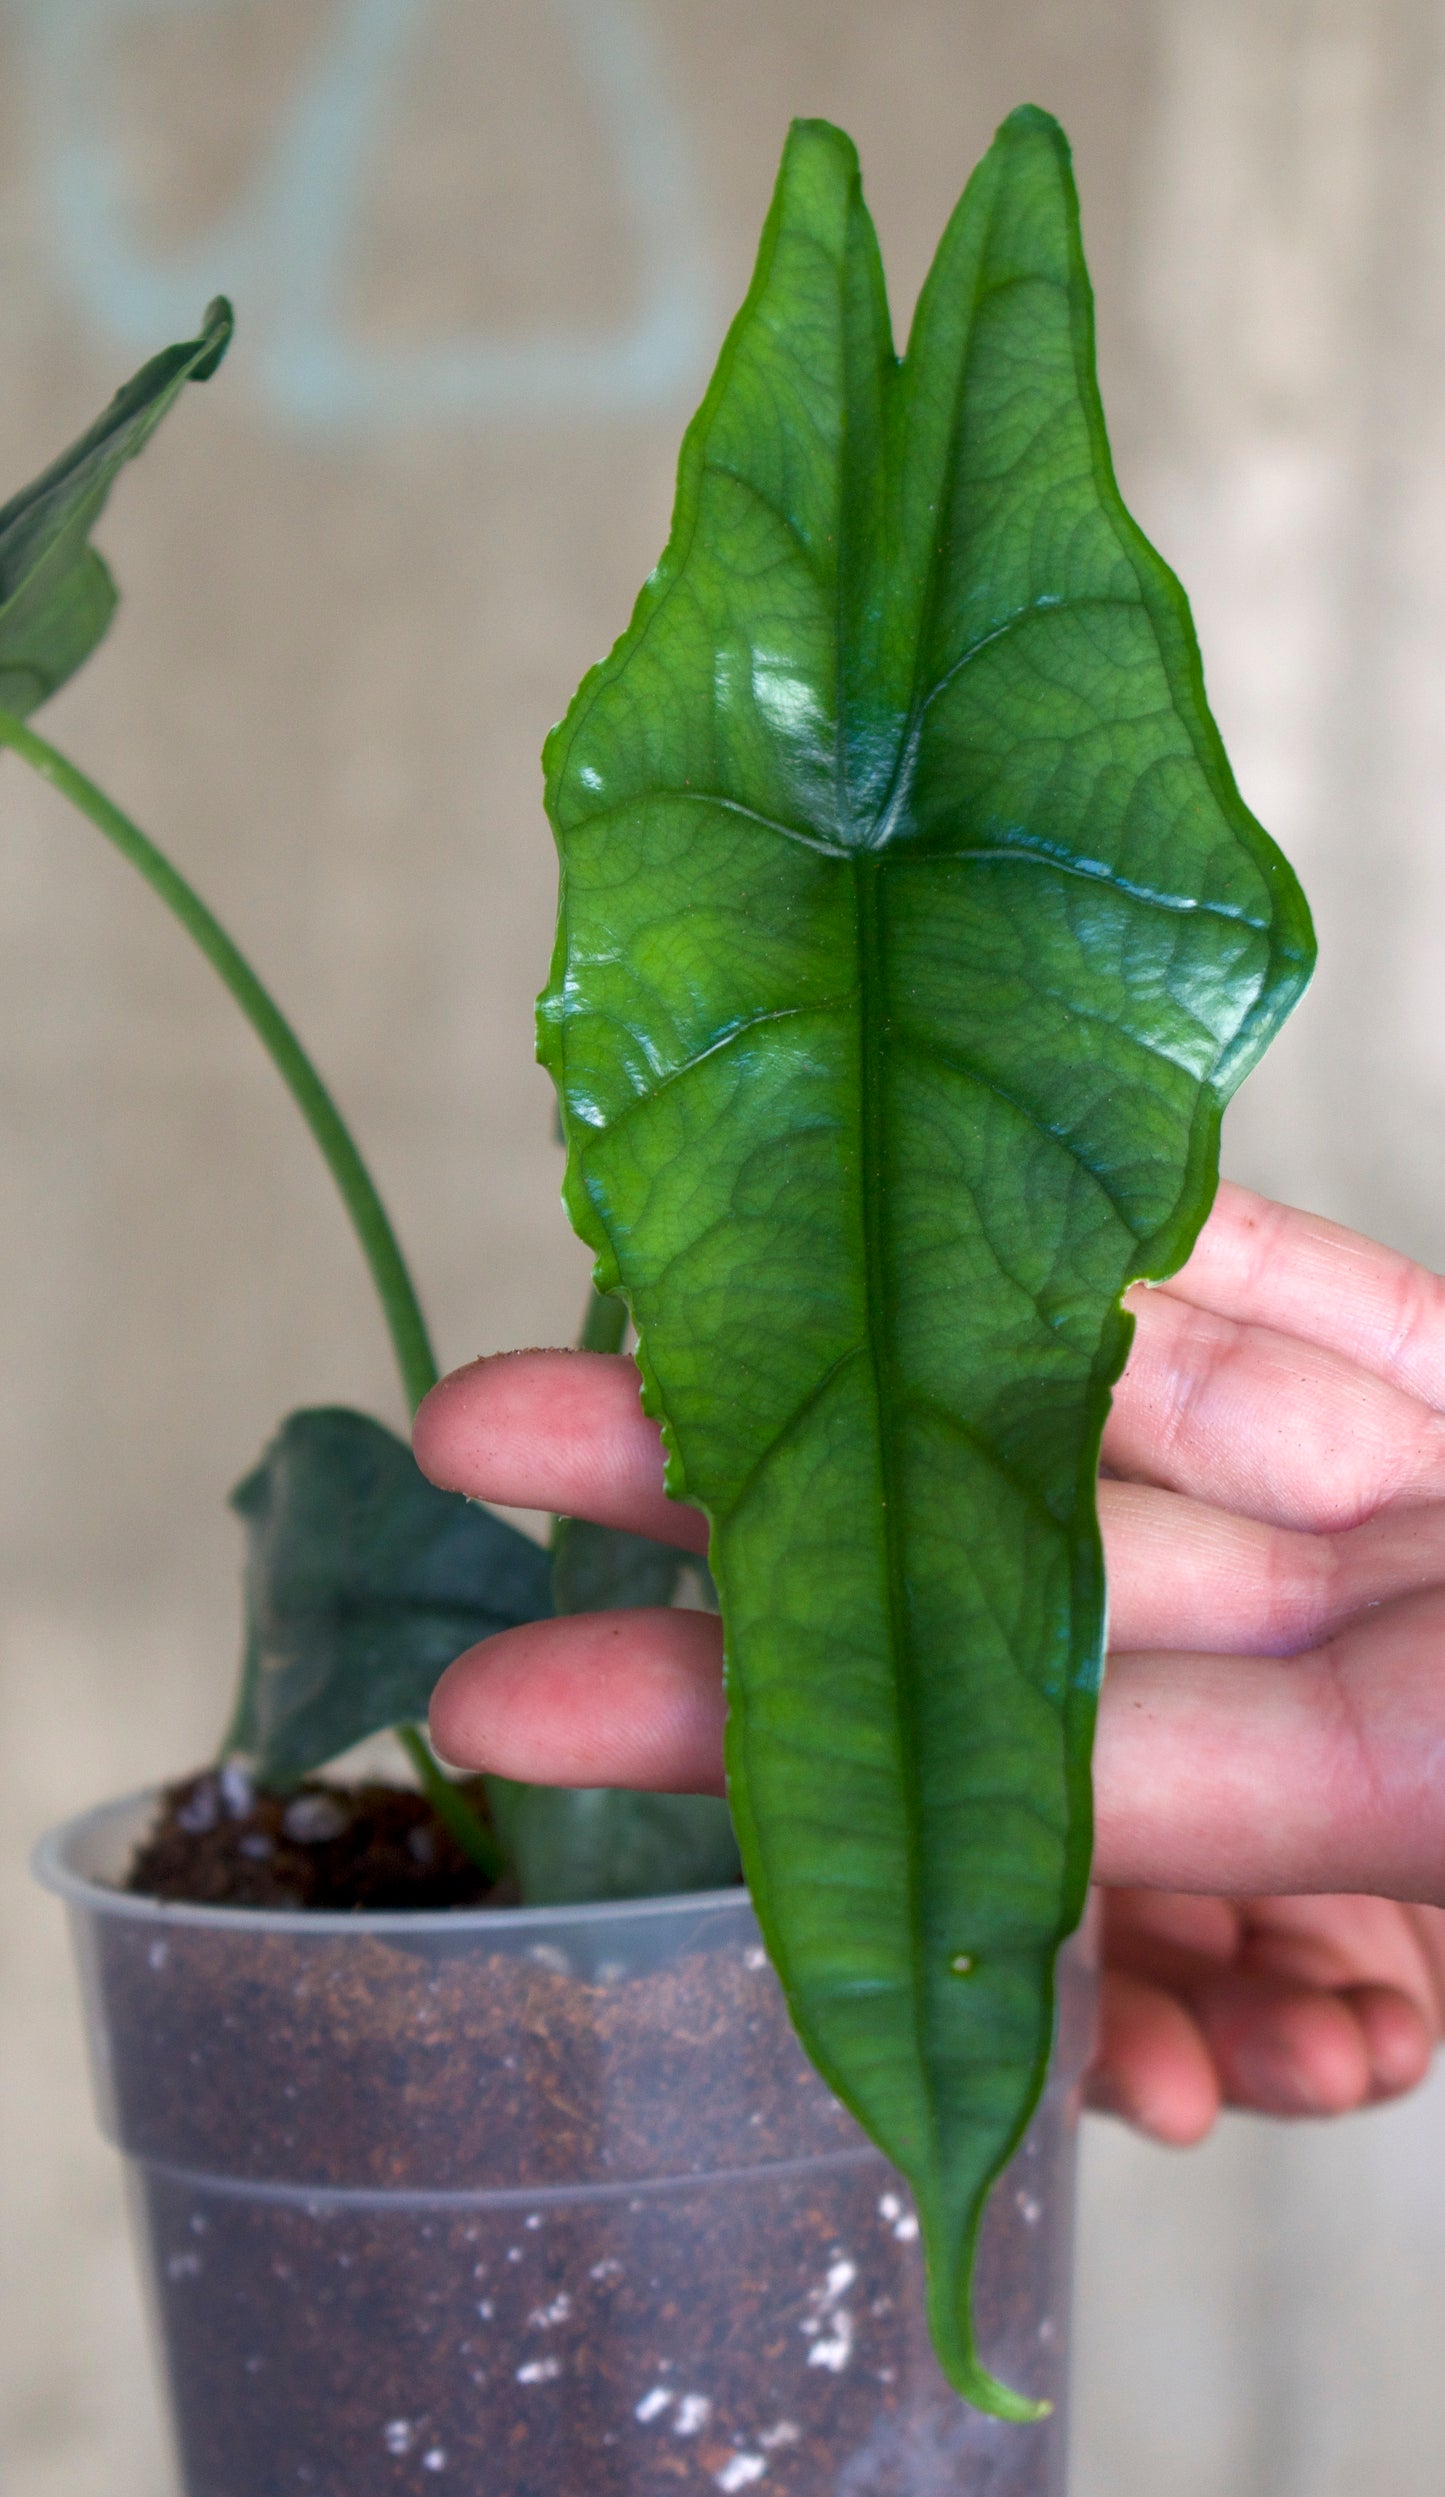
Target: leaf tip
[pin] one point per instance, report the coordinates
(218, 324)
(951, 2324)
(973, 2383)
(1033, 121)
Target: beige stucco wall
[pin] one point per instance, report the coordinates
(362, 573)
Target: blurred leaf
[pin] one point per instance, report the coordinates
(568, 1844)
(363, 1582)
(599, 1569)
(56, 595)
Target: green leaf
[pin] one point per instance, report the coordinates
(572, 1843)
(913, 934)
(612, 1842)
(599, 1569)
(363, 1581)
(56, 595)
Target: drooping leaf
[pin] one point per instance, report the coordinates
(56, 594)
(363, 1581)
(913, 934)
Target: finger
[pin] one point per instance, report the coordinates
(1281, 2049)
(1256, 1421)
(1428, 1926)
(1147, 1931)
(631, 1698)
(1216, 1775)
(1267, 1265)
(1338, 1941)
(554, 1430)
(1399, 2042)
(1151, 2065)
(1184, 1574)
(1284, 2035)
(1272, 1957)
(1321, 1772)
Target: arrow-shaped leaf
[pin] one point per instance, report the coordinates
(363, 1581)
(56, 595)
(913, 934)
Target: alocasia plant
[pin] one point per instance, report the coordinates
(362, 1580)
(913, 934)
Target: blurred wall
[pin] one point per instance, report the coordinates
(482, 252)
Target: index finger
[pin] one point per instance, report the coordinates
(554, 1430)
(1270, 1265)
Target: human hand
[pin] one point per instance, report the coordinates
(1274, 1492)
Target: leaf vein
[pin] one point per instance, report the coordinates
(739, 1031)
(925, 1046)
(1034, 854)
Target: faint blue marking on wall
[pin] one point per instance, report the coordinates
(283, 253)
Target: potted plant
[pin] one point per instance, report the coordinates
(912, 936)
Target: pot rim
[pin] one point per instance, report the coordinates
(53, 1866)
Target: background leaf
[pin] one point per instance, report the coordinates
(363, 1581)
(612, 1842)
(912, 935)
(56, 595)
(569, 1844)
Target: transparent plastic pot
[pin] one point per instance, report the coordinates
(537, 2203)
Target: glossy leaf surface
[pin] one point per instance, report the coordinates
(56, 594)
(363, 1581)
(912, 936)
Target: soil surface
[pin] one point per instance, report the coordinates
(219, 1841)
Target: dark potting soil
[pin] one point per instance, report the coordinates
(219, 1841)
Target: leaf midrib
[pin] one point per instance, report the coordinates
(873, 1148)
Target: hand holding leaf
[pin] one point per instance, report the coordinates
(1275, 1533)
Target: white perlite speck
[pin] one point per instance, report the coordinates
(542, 2318)
(740, 2472)
(903, 2223)
(899, 2221)
(835, 2350)
(397, 2436)
(653, 2404)
(693, 2413)
(830, 2325)
(435, 2458)
(540, 2371)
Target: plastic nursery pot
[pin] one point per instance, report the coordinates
(536, 2203)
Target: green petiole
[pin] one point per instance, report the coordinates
(369, 1218)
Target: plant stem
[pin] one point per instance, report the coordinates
(604, 1327)
(369, 1218)
(451, 1806)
